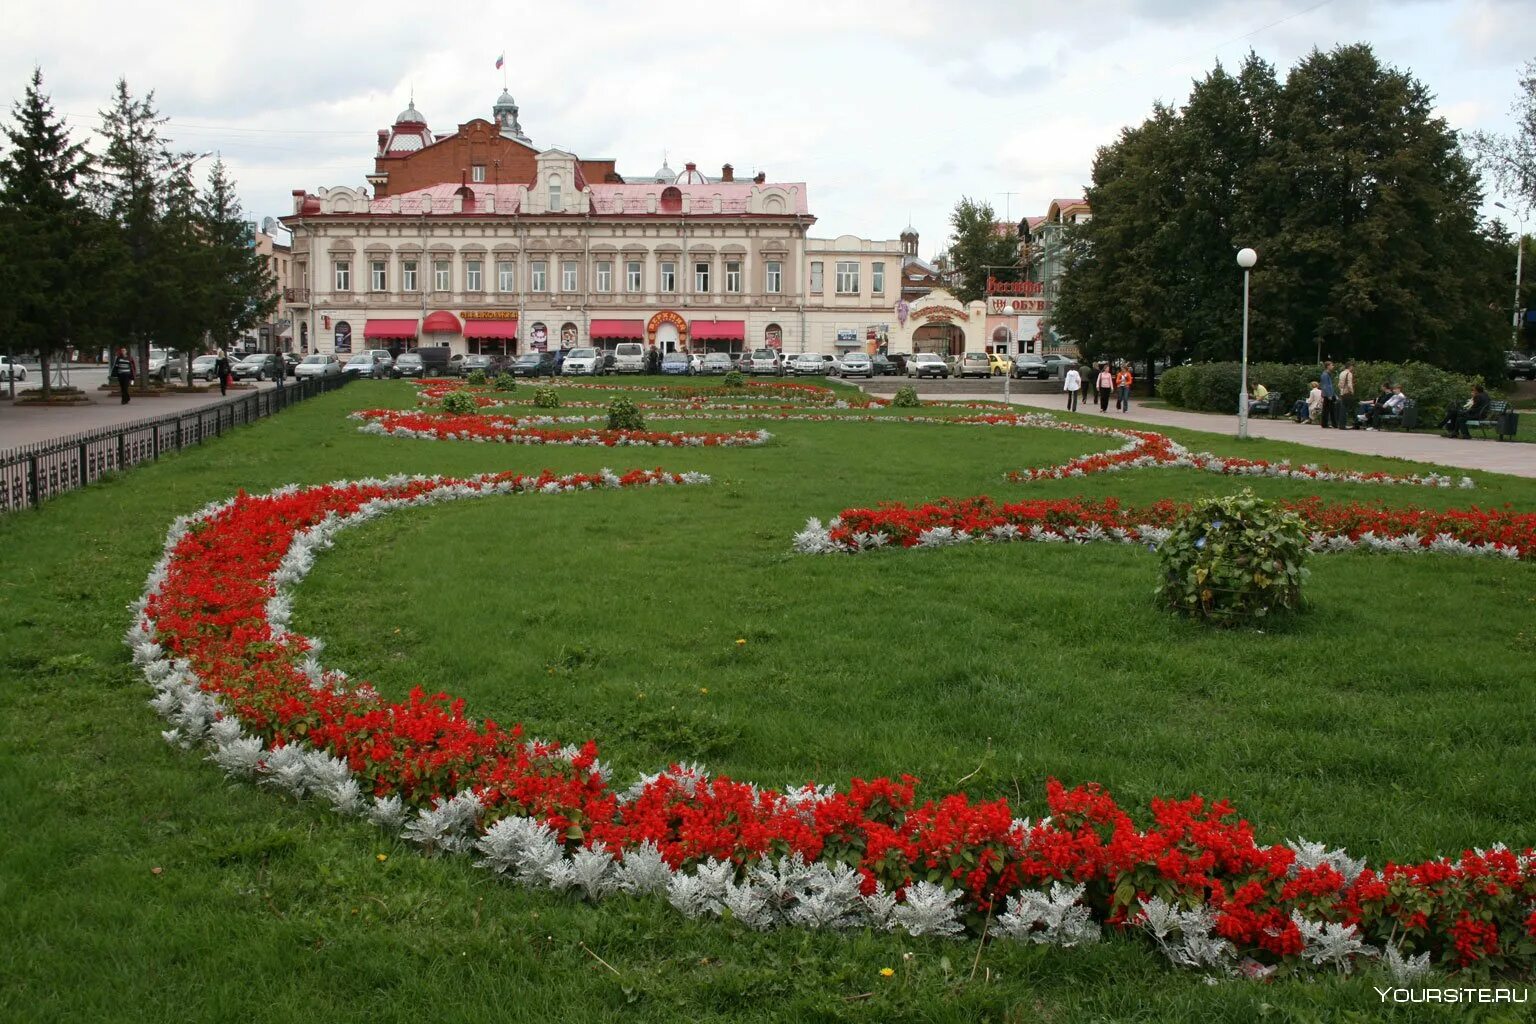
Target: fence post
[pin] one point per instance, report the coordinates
(37, 498)
(122, 449)
(156, 429)
(85, 474)
(178, 433)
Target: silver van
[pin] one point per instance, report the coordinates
(629, 357)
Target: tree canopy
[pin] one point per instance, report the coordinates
(1359, 201)
(977, 249)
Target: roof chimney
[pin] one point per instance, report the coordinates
(383, 138)
(727, 173)
(761, 177)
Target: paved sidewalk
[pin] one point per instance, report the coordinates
(23, 425)
(1516, 459)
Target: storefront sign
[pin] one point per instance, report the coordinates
(996, 287)
(489, 314)
(996, 304)
(939, 314)
(666, 316)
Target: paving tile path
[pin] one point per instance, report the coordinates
(1516, 459)
(23, 425)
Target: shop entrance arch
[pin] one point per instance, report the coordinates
(942, 338)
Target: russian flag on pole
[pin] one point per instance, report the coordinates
(500, 61)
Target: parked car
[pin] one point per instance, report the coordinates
(629, 357)
(534, 364)
(487, 364)
(165, 365)
(1001, 364)
(10, 370)
(291, 361)
(434, 360)
(855, 364)
(973, 364)
(384, 355)
(409, 365)
(583, 362)
(927, 364)
(717, 364)
(765, 360)
(804, 363)
(364, 364)
(1030, 366)
(203, 367)
(1520, 364)
(676, 364)
(260, 366)
(320, 364)
(884, 365)
(1058, 364)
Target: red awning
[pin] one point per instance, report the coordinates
(724, 330)
(502, 329)
(617, 329)
(390, 329)
(441, 322)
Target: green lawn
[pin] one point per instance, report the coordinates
(1394, 719)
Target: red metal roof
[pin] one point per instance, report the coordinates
(617, 329)
(724, 330)
(503, 329)
(441, 322)
(390, 329)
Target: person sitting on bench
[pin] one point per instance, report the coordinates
(1381, 408)
(1258, 394)
(1310, 407)
(1474, 408)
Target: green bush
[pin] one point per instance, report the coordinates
(734, 380)
(624, 415)
(906, 398)
(476, 377)
(460, 403)
(1213, 387)
(1231, 561)
(505, 382)
(546, 398)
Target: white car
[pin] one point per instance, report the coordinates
(927, 364)
(318, 365)
(583, 362)
(855, 364)
(806, 362)
(165, 364)
(10, 370)
(765, 360)
(365, 364)
(203, 367)
(629, 357)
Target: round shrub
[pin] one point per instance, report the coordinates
(460, 403)
(906, 398)
(546, 398)
(1232, 560)
(505, 382)
(475, 377)
(734, 380)
(623, 415)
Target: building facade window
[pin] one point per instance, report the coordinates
(817, 285)
(773, 336)
(343, 342)
(380, 280)
(477, 172)
(408, 275)
(877, 278)
(568, 275)
(733, 276)
(605, 275)
(701, 278)
(847, 278)
(668, 276)
(555, 205)
(442, 276)
(568, 335)
(472, 276)
(775, 280)
(505, 279)
(343, 275)
(634, 281)
(539, 276)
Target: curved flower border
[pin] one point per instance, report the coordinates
(527, 430)
(211, 636)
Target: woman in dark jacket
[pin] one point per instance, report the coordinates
(221, 368)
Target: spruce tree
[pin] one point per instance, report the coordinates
(50, 239)
(241, 286)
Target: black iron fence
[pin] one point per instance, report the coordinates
(31, 474)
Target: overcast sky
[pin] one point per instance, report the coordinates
(888, 109)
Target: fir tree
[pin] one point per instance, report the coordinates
(242, 289)
(976, 250)
(50, 239)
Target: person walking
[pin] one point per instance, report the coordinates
(1105, 384)
(221, 367)
(1071, 383)
(1123, 381)
(1346, 408)
(1330, 395)
(123, 371)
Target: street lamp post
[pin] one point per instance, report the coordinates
(1246, 259)
(1514, 339)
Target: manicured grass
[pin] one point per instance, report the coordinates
(1393, 719)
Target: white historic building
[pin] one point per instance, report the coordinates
(512, 248)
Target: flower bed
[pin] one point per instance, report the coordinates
(1332, 527)
(211, 636)
(518, 430)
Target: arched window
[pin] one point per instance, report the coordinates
(773, 336)
(1002, 340)
(343, 337)
(538, 337)
(671, 199)
(567, 335)
(555, 204)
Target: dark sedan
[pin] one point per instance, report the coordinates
(262, 366)
(886, 366)
(534, 364)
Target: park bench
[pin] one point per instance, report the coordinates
(1408, 418)
(1500, 417)
(1271, 405)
